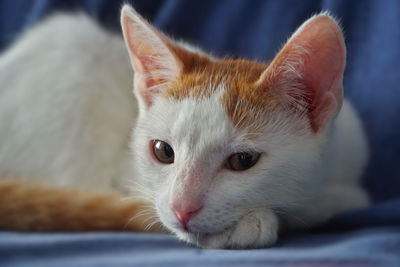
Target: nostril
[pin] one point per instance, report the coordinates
(185, 216)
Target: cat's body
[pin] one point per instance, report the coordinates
(61, 104)
(66, 114)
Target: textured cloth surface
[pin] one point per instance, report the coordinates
(373, 247)
(255, 30)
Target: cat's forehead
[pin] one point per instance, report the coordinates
(234, 82)
(200, 122)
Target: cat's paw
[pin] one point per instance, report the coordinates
(254, 230)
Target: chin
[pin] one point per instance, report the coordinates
(195, 238)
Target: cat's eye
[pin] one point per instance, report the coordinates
(242, 161)
(163, 152)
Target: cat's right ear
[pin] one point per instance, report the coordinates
(153, 62)
(307, 73)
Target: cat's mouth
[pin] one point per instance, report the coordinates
(201, 226)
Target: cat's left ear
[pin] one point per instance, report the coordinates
(152, 59)
(307, 73)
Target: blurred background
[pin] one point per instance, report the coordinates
(255, 30)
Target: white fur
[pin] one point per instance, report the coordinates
(66, 112)
(64, 116)
(296, 170)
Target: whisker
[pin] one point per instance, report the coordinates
(149, 226)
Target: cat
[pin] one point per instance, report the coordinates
(226, 152)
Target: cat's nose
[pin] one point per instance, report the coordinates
(184, 215)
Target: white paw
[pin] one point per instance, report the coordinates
(255, 229)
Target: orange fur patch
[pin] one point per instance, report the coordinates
(25, 207)
(244, 93)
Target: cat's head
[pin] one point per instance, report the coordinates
(216, 138)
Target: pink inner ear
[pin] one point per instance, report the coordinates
(316, 51)
(323, 69)
(153, 62)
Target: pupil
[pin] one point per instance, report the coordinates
(168, 151)
(245, 159)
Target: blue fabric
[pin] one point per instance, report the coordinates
(253, 29)
(372, 247)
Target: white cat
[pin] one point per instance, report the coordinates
(227, 151)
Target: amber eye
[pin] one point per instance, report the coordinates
(163, 152)
(242, 161)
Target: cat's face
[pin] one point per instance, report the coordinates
(216, 139)
(200, 178)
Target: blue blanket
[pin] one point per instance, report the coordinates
(372, 247)
(255, 30)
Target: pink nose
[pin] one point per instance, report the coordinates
(184, 216)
